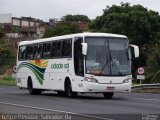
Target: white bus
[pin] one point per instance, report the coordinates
(76, 63)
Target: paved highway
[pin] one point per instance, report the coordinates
(123, 106)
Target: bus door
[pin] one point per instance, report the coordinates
(78, 65)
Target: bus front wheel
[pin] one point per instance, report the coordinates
(108, 95)
(68, 90)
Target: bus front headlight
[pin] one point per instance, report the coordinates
(127, 80)
(90, 79)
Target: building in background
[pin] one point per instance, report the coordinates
(23, 28)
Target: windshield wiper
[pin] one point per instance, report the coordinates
(105, 63)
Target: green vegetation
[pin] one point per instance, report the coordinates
(68, 25)
(7, 80)
(62, 28)
(138, 23)
(153, 63)
(7, 57)
(76, 18)
(15, 30)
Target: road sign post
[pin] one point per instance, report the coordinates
(140, 74)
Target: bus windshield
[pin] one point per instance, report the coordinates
(108, 56)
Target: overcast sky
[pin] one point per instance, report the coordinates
(45, 9)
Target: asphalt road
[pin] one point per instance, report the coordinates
(16, 103)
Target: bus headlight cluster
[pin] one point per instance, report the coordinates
(127, 80)
(90, 79)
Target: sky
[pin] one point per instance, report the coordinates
(46, 9)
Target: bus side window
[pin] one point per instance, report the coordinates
(37, 51)
(22, 51)
(29, 52)
(56, 49)
(67, 48)
(46, 50)
(78, 59)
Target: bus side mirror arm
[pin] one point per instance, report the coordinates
(134, 51)
(84, 48)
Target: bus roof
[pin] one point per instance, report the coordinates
(72, 36)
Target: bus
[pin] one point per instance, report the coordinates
(76, 63)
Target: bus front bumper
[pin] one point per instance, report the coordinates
(100, 88)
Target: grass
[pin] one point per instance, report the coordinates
(7, 80)
(134, 84)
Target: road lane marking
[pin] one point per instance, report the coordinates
(54, 110)
(145, 99)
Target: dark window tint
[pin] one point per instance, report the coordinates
(67, 48)
(56, 49)
(38, 51)
(46, 50)
(78, 57)
(29, 51)
(22, 51)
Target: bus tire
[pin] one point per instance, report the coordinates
(31, 90)
(30, 87)
(68, 90)
(108, 95)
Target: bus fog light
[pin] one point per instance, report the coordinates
(91, 79)
(127, 80)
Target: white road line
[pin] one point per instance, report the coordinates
(54, 110)
(145, 99)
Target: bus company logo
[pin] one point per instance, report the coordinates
(38, 67)
(59, 66)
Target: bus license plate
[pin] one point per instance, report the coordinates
(110, 88)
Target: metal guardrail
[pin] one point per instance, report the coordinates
(146, 86)
(151, 88)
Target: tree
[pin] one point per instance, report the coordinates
(62, 28)
(138, 23)
(153, 62)
(7, 57)
(76, 18)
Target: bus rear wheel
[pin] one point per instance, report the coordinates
(30, 88)
(68, 90)
(108, 95)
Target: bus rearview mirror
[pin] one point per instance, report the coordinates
(84, 48)
(134, 51)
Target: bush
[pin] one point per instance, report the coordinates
(8, 78)
(156, 77)
(153, 63)
(7, 57)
